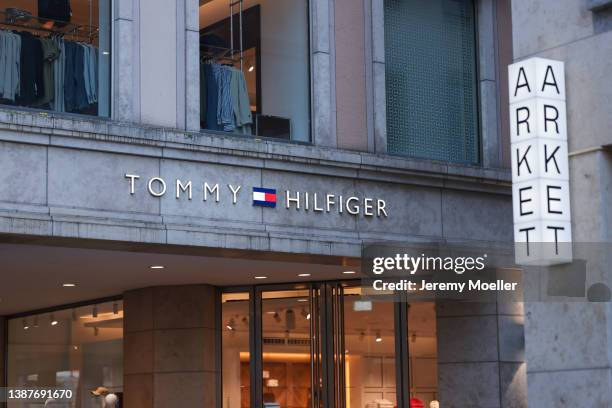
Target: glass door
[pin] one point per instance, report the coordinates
(286, 358)
(322, 345)
(369, 359)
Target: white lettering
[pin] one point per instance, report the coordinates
(234, 191)
(183, 187)
(161, 182)
(213, 190)
(132, 178)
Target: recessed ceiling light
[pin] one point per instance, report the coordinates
(251, 68)
(157, 267)
(69, 285)
(302, 300)
(261, 277)
(303, 275)
(349, 272)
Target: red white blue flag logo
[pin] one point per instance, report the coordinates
(265, 197)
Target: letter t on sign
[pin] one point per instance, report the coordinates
(540, 176)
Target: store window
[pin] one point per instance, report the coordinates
(430, 69)
(78, 349)
(286, 358)
(55, 55)
(254, 68)
(235, 350)
(423, 353)
(369, 355)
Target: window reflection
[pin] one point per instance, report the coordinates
(369, 339)
(286, 349)
(422, 349)
(77, 349)
(235, 350)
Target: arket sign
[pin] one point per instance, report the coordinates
(540, 173)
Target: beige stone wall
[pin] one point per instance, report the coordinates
(170, 347)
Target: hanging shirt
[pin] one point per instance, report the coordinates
(212, 97)
(50, 52)
(59, 65)
(241, 103)
(31, 67)
(10, 62)
(225, 108)
(75, 95)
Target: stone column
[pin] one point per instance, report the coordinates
(480, 355)
(170, 347)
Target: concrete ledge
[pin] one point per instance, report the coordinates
(99, 134)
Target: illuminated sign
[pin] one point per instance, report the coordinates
(540, 174)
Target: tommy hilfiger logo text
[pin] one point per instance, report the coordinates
(264, 197)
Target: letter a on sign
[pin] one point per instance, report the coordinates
(540, 177)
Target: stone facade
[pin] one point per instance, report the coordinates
(568, 346)
(64, 177)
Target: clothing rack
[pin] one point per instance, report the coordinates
(229, 54)
(82, 31)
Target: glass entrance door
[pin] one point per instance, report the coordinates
(312, 346)
(286, 356)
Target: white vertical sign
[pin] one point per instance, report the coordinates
(540, 174)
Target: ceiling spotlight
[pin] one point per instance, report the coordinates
(35, 321)
(308, 316)
(261, 277)
(277, 317)
(245, 320)
(251, 68)
(94, 311)
(378, 338)
(115, 308)
(413, 337)
(75, 347)
(52, 320)
(303, 275)
(302, 300)
(349, 272)
(304, 313)
(69, 285)
(25, 324)
(230, 324)
(157, 267)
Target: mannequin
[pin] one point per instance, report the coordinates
(106, 398)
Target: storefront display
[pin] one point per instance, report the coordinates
(55, 55)
(255, 68)
(79, 350)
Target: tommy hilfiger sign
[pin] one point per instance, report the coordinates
(263, 197)
(540, 174)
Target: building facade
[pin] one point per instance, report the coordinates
(186, 189)
(567, 342)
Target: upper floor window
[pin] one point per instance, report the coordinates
(254, 71)
(55, 55)
(430, 56)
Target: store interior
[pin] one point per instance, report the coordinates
(266, 42)
(369, 355)
(78, 349)
(56, 57)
